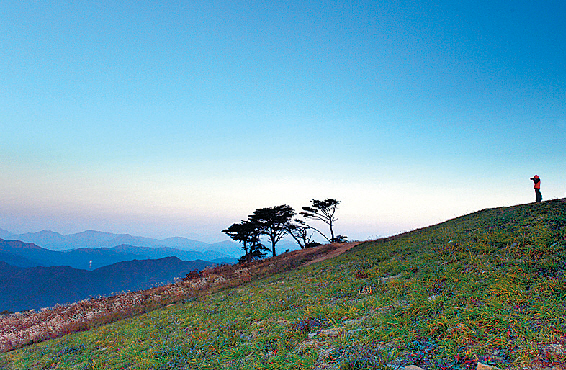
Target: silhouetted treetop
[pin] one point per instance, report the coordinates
(248, 233)
(322, 210)
(273, 222)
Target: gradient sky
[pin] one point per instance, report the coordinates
(179, 118)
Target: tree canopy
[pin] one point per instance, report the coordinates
(248, 234)
(276, 222)
(273, 222)
(322, 210)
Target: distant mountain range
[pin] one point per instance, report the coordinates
(93, 263)
(98, 239)
(20, 254)
(37, 287)
(32, 277)
(92, 239)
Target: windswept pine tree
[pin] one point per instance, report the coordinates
(248, 233)
(273, 222)
(323, 210)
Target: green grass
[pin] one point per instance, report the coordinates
(489, 286)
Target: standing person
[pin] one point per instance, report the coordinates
(538, 195)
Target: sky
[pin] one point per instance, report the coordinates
(179, 118)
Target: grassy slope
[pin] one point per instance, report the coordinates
(489, 286)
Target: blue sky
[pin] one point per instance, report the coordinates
(180, 118)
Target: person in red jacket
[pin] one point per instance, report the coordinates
(538, 195)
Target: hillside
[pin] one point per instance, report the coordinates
(483, 290)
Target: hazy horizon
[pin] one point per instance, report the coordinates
(192, 237)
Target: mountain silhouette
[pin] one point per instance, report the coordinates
(97, 239)
(20, 254)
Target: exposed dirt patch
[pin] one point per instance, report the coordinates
(341, 248)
